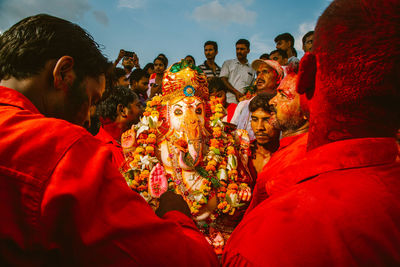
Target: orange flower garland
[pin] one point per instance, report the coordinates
(221, 161)
(142, 160)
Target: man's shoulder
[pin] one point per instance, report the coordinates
(230, 61)
(204, 66)
(38, 143)
(357, 205)
(345, 192)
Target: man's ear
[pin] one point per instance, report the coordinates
(122, 111)
(63, 73)
(306, 75)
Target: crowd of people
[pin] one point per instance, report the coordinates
(324, 154)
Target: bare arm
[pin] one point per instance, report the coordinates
(120, 56)
(231, 89)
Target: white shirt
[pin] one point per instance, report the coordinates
(242, 117)
(239, 76)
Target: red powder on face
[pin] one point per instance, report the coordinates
(288, 86)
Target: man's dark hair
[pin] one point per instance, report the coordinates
(261, 100)
(138, 74)
(28, 45)
(285, 37)
(308, 34)
(264, 56)
(107, 109)
(215, 84)
(148, 66)
(214, 44)
(281, 52)
(245, 42)
(162, 59)
(119, 72)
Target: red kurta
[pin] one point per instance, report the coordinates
(343, 210)
(290, 149)
(63, 201)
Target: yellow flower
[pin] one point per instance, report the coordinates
(139, 150)
(218, 115)
(217, 109)
(156, 98)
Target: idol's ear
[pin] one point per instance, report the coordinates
(306, 75)
(63, 73)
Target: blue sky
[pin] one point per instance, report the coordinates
(177, 28)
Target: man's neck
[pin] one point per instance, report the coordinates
(269, 91)
(210, 62)
(243, 60)
(35, 88)
(267, 148)
(332, 131)
(293, 132)
(289, 53)
(114, 128)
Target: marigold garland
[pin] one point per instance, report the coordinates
(219, 166)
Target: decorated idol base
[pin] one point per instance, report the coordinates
(182, 145)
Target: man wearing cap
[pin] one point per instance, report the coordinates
(343, 208)
(269, 75)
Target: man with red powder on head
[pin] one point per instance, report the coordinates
(344, 209)
(289, 116)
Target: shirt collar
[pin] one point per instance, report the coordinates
(106, 137)
(238, 62)
(208, 67)
(111, 128)
(345, 154)
(14, 98)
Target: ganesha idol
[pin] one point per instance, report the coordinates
(180, 144)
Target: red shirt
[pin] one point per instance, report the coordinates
(342, 210)
(64, 202)
(113, 145)
(230, 111)
(291, 149)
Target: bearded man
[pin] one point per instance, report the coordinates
(342, 207)
(290, 117)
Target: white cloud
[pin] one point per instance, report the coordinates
(134, 4)
(12, 11)
(303, 29)
(101, 17)
(258, 45)
(215, 12)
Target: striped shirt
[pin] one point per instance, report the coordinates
(208, 71)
